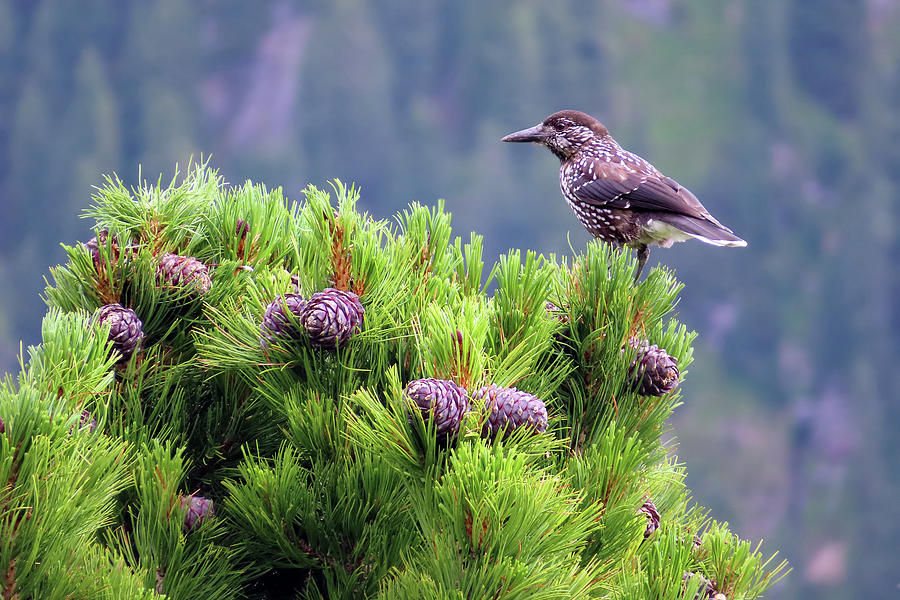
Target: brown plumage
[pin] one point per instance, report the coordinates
(618, 196)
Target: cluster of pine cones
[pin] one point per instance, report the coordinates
(185, 276)
(507, 409)
(653, 372)
(328, 318)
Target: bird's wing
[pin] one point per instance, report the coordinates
(635, 186)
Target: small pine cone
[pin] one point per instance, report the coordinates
(649, 509)
(277, 324)
(125, 331)
(560, 315)
(707, 589)
(87, 421)
(198, 508)
(100, 241)
(331, 317)
(653, 372)
(93, 246)
(509, 409)
(183, 272)
(448, 402)
(2, 426)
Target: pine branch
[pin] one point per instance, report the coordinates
(370, 466)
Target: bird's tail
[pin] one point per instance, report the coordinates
(705, 231)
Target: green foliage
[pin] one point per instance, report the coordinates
(327, 481)
(605, 312)
(60, 486)
(180, 564)
(497, 525)
(74, 360)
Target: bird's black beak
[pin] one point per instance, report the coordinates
(532, 134)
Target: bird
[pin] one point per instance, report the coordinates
(618, 196)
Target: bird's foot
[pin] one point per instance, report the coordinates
(643, 253)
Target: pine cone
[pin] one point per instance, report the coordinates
(87, 421)
(100, 241)
(649, 509)
(707, 589)
(560, 315)
(184, 272)
(277, 324)
(442, 398)
(93, 246)
(653, 372)
(198, 510)
(509, 408)
(125, 331)
(331, 317)
(2, 426)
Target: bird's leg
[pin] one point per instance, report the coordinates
(643, 253)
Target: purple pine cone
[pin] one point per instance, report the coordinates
(281, 319)
(87, 421)
(653, 372)
(100, 241)
(198, 510)
(442, 398)
(509, 408)
(184, 272)
(560, 315)
(331, 317)
(93, 244)
(125, 331)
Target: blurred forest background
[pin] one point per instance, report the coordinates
(782, 116)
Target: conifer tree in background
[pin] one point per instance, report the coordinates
(239, 397)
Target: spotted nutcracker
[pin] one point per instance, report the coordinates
(618, 196)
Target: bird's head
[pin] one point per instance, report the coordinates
(563, 132)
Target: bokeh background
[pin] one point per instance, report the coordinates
(782, 115)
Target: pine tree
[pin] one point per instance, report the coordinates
(241, 397)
